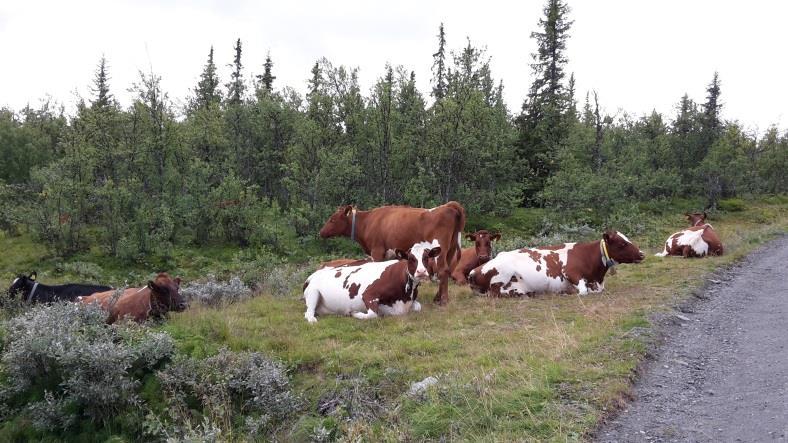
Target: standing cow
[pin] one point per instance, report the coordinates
(699, 240)
(567, 268)
(370, 289)
(399, 227)
(473, 257)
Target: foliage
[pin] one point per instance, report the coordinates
(216, 293)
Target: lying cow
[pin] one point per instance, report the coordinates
(698, 240)
(473, 257)
(156, 299)
(567, 268)
(398, 227)
(32, 291)
(370, 289)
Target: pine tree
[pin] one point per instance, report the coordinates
(570, 94)
(101, 85)
(267, 78)
(207, 93)
(543, 123)
(711, 125)
(235, 89)
(439, 66)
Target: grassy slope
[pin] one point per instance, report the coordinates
(511, 369)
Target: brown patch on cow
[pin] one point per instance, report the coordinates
(389, 288)
(535, 255)
(481, 280)
(345, 283)
(538, 267)
(353, 290)
(555, 268)
(338, 274)
(306, 283)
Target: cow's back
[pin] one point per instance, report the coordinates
(399, 227)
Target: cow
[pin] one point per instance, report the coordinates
(567, 268)
(399, 227)
(32, 291)
(699, 240)
(473, 257)
(371, 289)
(158, 297)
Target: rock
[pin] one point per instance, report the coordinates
(420, 387)
(681, 317)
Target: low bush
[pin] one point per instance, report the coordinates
(732, 205)
(86, 270)
(64, 360)
(228, 391)
(215, 293)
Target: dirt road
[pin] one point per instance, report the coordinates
(722, 373)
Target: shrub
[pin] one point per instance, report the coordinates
(226, 386)
(86, 270)
(216, 293)
(65, 360)
(285, 279)
(732, 205)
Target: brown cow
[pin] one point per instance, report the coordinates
(480, 254)
(158, 297)
(699, 240)
(567, 268)
(399, 227)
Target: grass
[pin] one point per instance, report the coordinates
(542, 369)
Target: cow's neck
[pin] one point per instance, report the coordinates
(358, 228)
(597, 268)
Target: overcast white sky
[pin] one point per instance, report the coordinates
(638, 55)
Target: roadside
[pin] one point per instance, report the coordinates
(722, 372)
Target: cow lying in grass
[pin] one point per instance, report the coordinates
(156, 299)
(370, 289)
(473, 257)
(699, 240)
(567, 268)
(32, 291)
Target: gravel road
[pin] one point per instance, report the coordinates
(721, 374)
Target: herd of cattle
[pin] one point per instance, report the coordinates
(406, 246)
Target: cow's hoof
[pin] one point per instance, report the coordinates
(311, 319)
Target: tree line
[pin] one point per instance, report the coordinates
(246, 160)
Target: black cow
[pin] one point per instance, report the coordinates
(34, 292)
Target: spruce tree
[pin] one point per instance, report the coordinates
(101, 85)
(207, 93)
(439, 66)
(267, 78)
(235, 89)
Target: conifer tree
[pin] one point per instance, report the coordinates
(439, 66)
(101, 85)
(267, 78)
(235, 89)
(207, 93)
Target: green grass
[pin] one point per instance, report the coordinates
(540, 369)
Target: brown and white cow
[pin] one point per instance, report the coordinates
(155, 299)
(370, 289)
(699, 240)
(566, 268)
(480, 254)
(399, 227)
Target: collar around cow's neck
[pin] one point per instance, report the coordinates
(353, 226)
(32, 291)
(607, 262)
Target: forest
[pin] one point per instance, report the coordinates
(248, 161)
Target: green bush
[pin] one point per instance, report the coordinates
(732, 205)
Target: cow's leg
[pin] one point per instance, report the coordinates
(582, 288)
(373, 310)
(416, 307)
(442, 296)
(311, 298)
(685, 252)
(378, 254)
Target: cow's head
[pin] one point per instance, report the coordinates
(421, 259)
(165, 292)
(20, 284)
(483, 241)
(339, 223)
(696, 218)
(621, 249)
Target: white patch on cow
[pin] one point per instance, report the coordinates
(624, 237)
(694, 239)
(416, 306)
(398, 308)
(14, 282)
(370, 314)
(582, 288)
(664, 252)
(527, 279)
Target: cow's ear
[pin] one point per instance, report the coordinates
(705, 215)
(471, 237)
(606, 235)
(33, 275)
(347, 209)
(434, 252)
(399, 254)
(152, 286)
(177, 281)
(687, 214)
(496, 236)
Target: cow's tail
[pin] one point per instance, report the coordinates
(459, 226)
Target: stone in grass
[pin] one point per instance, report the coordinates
(418, 388)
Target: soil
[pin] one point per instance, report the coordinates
(721, 371)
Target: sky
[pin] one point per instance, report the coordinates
(638, 55)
